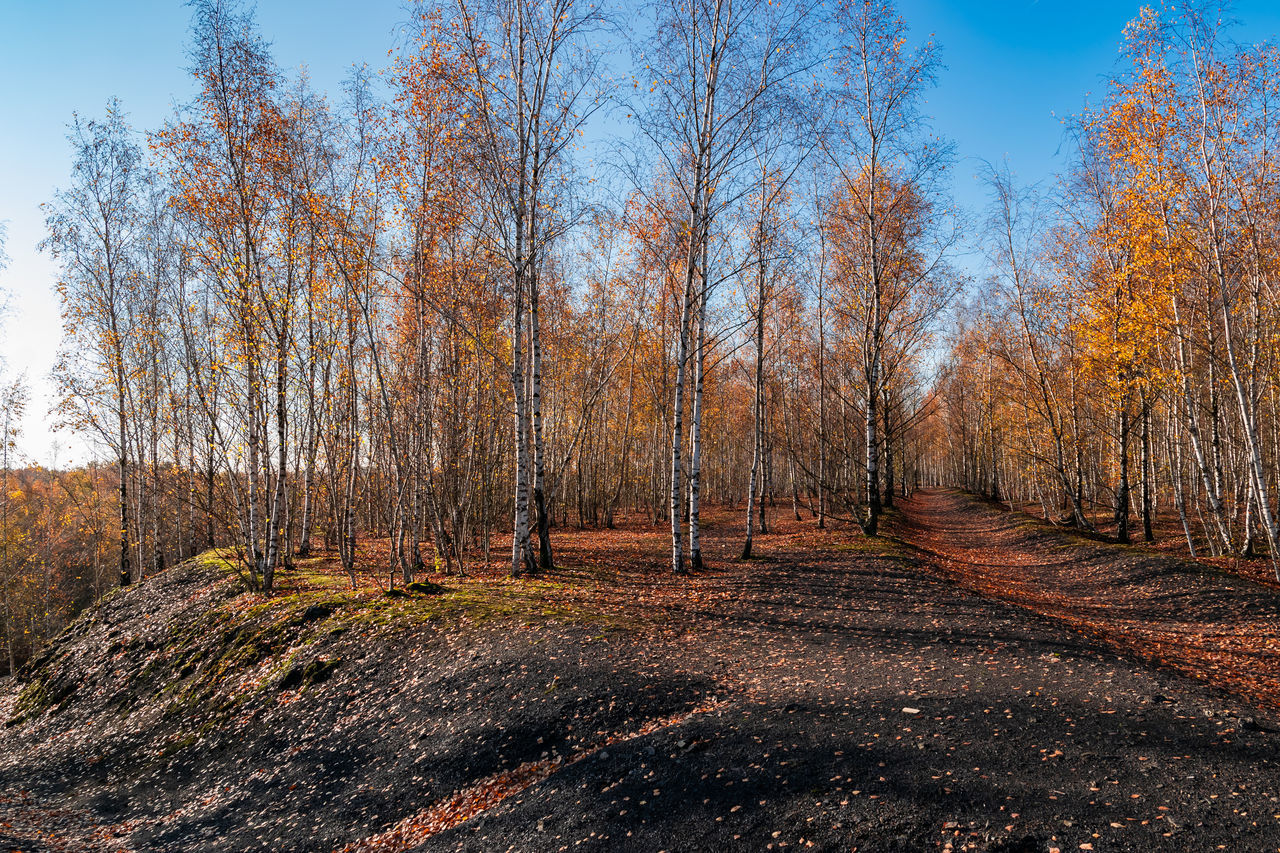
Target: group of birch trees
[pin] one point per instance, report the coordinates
(1124, 367)
(392, 325)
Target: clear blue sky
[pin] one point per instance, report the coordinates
(1014, 67)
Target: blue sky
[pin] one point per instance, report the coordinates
(1014, 69)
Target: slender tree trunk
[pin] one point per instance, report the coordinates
(1192, 419)
(677, 438)
(682, 361)
(758, 411)
(545, 561)
(695, 431)
(871, 449)
(123, 436)
(1122, 490)
(888, 455)
(871, 521)
(282, 463)
(520, 535)
(1148, 534)
(210, 475)
(822, 399)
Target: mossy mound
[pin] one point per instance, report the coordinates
(195, 645)
(427, 588)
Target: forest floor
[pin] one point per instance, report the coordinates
(972, 680)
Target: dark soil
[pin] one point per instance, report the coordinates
(836, 694)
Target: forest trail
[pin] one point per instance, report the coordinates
(1199, 620)
(866, 703)
(836, 693)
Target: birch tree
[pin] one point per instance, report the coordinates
(93, 231)
(532, 84)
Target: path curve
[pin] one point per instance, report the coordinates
(1197, 619)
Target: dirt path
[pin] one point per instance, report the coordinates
(836, 694)
(1203, 622)
(871, 705)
